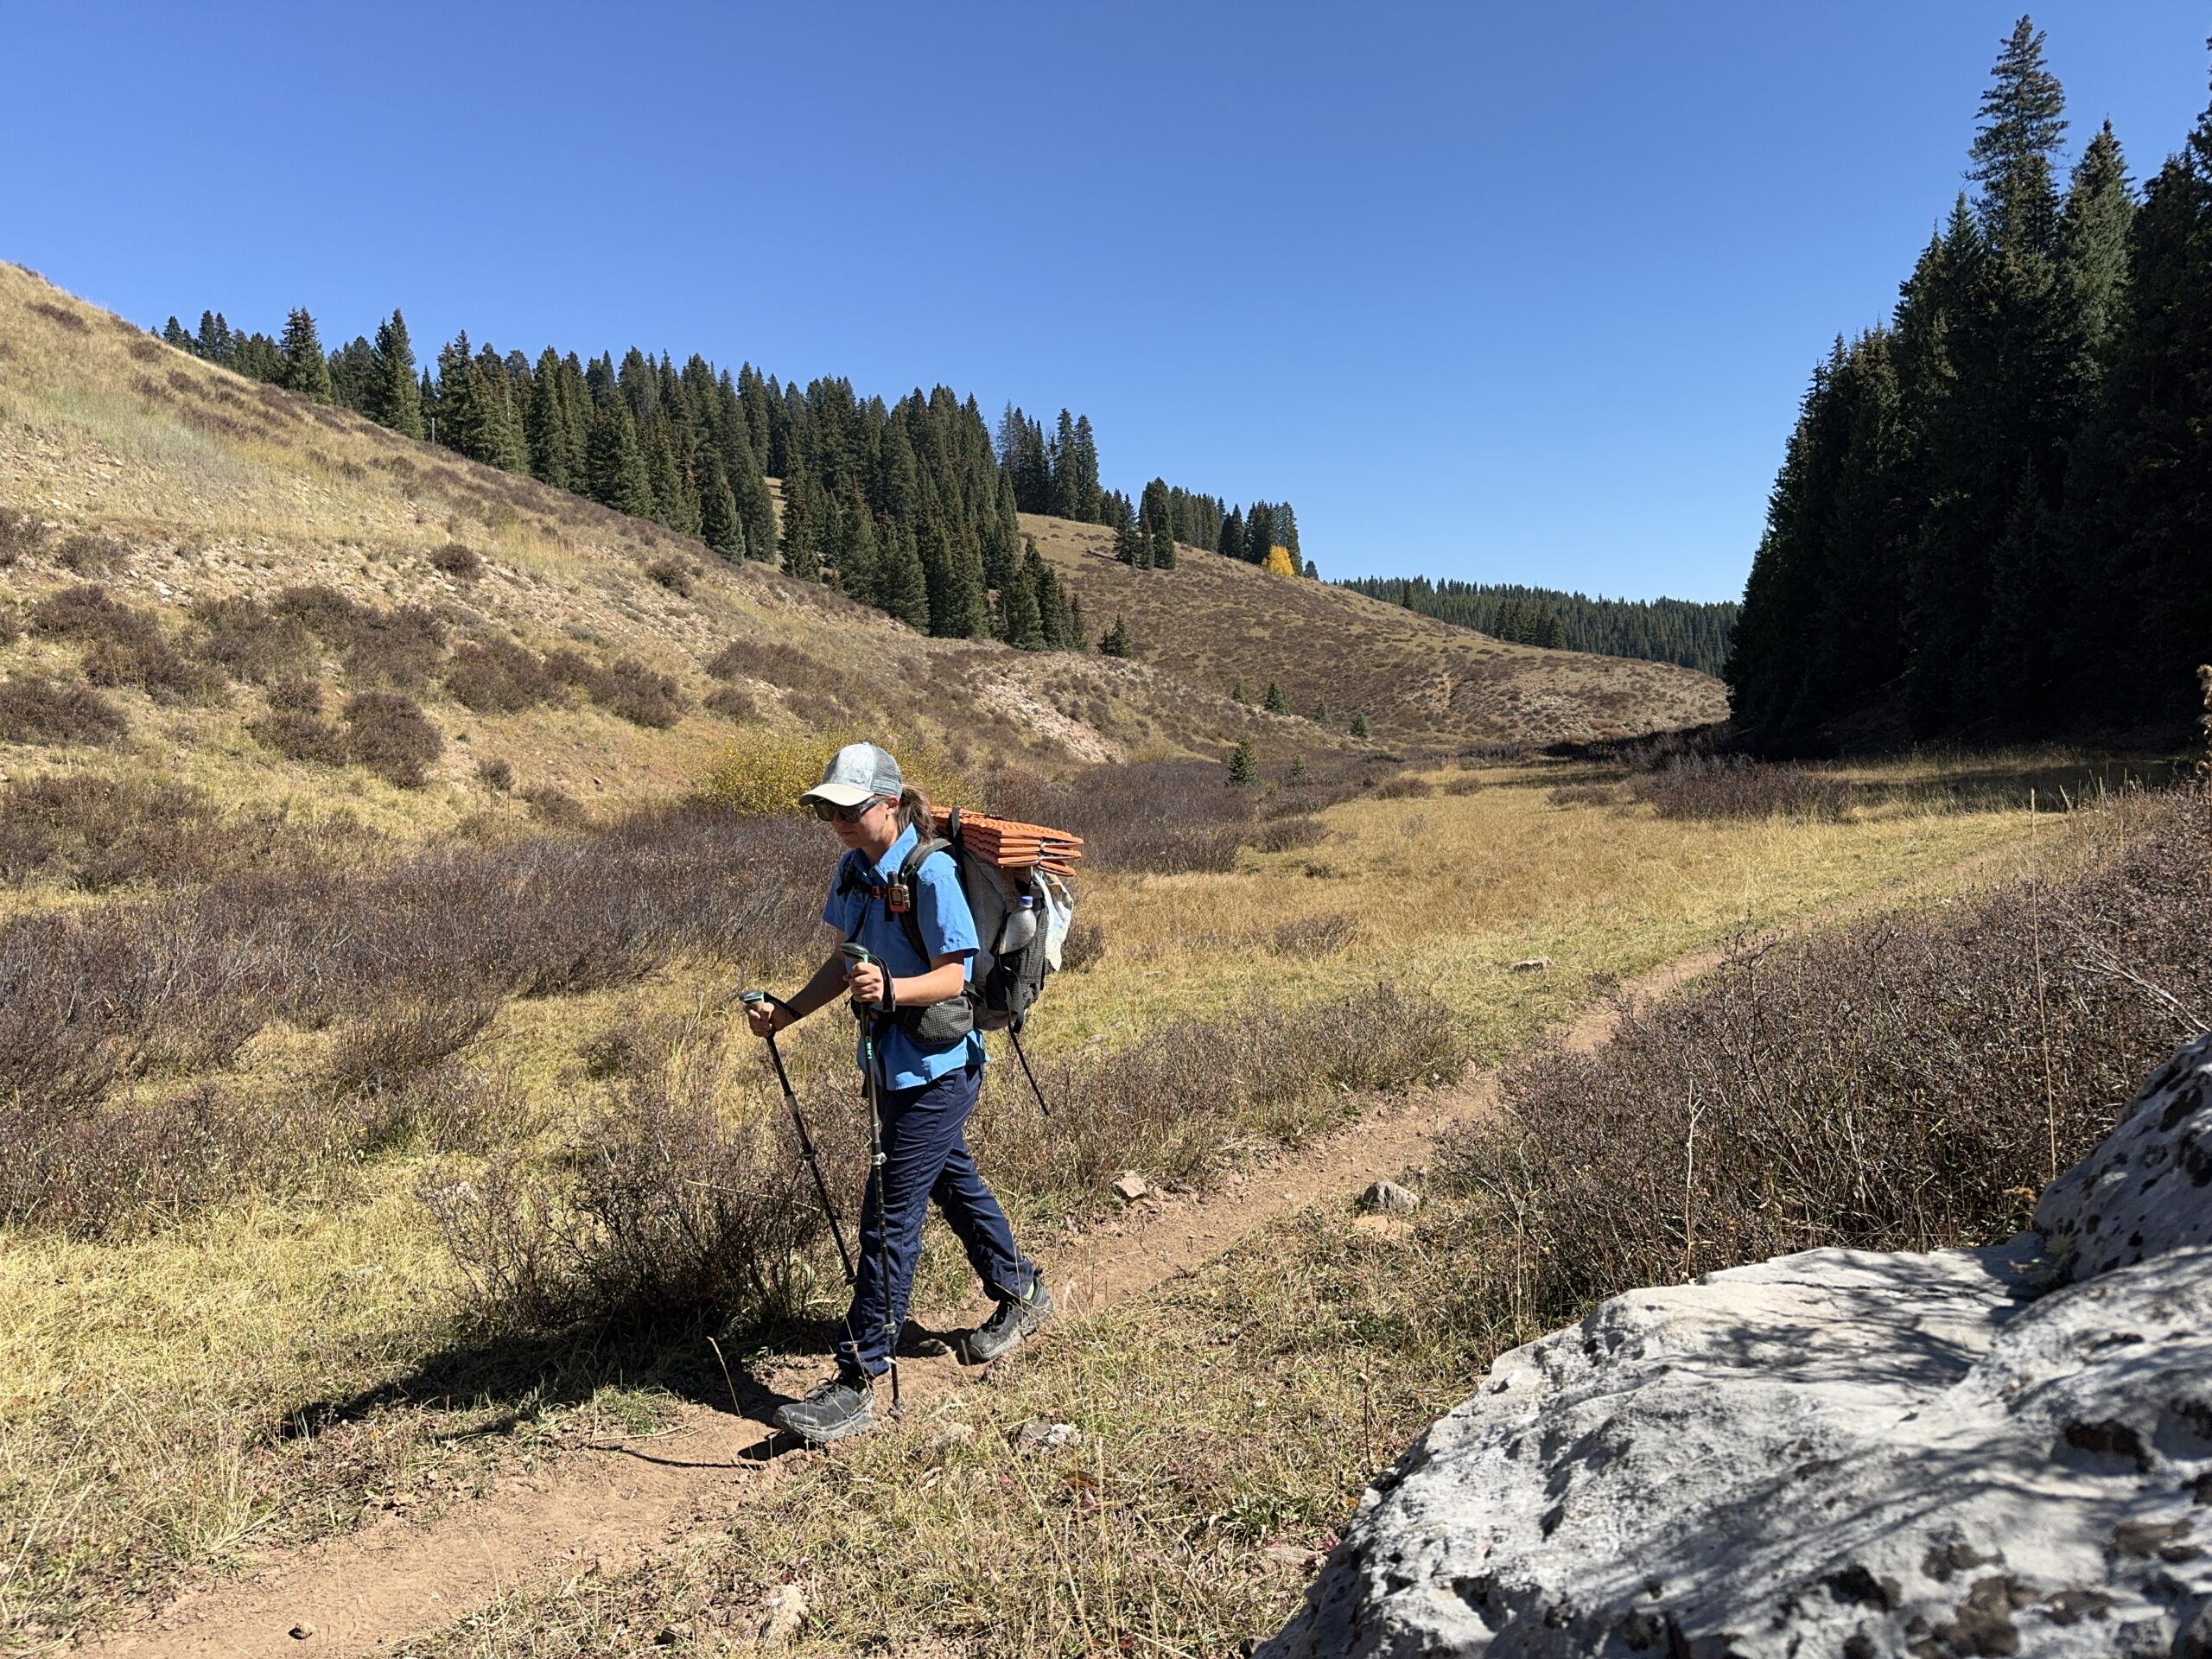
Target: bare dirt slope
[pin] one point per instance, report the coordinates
(1219, 623)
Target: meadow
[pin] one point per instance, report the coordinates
(338, 1229)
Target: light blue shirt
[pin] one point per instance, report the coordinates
(947, 927)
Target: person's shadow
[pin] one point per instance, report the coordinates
(497, 1384)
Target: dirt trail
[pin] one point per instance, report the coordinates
(600, 1509)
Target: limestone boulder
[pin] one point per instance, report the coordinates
(2001, 1450)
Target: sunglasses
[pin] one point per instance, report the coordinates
(825, 811)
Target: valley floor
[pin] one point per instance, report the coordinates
(189, 1409)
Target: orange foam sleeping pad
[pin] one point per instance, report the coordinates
(1009, 844)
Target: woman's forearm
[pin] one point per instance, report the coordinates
(940, 985)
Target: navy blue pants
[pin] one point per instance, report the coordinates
(925, 1157)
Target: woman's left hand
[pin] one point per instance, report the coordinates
(868, 984)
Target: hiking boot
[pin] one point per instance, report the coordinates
(839, 1406)
(1012, 1322)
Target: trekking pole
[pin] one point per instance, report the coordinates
(1014, 1036)
(751, 998)
(859, 955)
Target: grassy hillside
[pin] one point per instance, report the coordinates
(173, 486)
(1218, 623)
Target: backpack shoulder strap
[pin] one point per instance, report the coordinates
(922, 851)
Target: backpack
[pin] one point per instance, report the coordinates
(1004, 983)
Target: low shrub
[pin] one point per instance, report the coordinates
(246, 640)
(1404, 787)
(498, 677)
(670, 1209)
(22, 535)
(457, 560)
(390, 1045)
(122, 645)
(296, 694)
(675, 574)
(1905, 1084)
(555, 807)
(764, 659)
(1584, 794)
(734, 703)
(299, 735)
(1285, 835)
(37, 708)
(765, 770)
(495, 774)
(638, 694)
(627, 688)
(101, 832)
(400, 648)
(1713, 787)
(390, 736)
(86, 553)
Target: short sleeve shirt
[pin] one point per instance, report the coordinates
(948, 929)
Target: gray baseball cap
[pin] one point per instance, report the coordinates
(858, 772)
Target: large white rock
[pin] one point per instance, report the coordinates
(1839, 1453)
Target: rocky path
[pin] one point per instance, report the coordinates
(600, 1508)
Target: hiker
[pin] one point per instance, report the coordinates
(930, 1062)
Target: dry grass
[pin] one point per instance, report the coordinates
(1218, 622)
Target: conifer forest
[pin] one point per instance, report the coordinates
(1681, 631)
(1993, 519)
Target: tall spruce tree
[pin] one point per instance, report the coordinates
(614, 466)
(394, 399)
(546, 425)
(304, 368)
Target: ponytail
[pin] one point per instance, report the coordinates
(914, 811)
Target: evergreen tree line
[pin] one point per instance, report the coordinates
(1057, 472)
(1992, 517)
(1681, 631)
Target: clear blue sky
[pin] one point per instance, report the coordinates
(1521, 293)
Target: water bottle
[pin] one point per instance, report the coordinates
(1021, 927)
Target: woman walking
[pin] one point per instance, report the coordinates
(930, 1062)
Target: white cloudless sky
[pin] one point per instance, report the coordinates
(1505, 293)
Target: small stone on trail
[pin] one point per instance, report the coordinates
(946, 1436)
(1130, 1187)
(1389, 1198)
(300, 1631)
(785, 1612)
(1037, 1435)
(1531, 964)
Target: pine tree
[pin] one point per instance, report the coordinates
(1067, 492)
(546, 426)
(1022, 624)
(352, 368)
(305, 369)
(1230, 544)
(1244, 763)
(802, 529)
(858, 553)
(614, 465)
(1089, 499)
(1236, 692)
(1273, 702)
(1115, 642)
(1320, 714)
(901, 583)
(1259, 532)
(393, 398)
(1359, 724)
(719, 525)
(173, 334)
